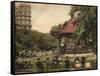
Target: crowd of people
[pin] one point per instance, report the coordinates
(77, 64)
(56, 61)
(26, 54)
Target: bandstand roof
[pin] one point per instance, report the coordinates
(70, 28)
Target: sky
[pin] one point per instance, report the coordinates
(44, 16)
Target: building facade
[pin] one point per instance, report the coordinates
(23, 17)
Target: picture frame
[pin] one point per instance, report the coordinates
(53, 37)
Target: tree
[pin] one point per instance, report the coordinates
(34, 41)
(87, 25)
(55, 30)
(65, 24)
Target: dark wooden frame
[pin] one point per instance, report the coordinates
(13, 32)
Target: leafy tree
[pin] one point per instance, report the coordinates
(55, 30)
(87, 25)
(65, 24)
(34, 40)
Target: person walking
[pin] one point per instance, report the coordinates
(67, 63)
(39, 65)
(77, 64)
(83, 60)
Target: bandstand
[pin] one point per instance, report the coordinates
(67, 41)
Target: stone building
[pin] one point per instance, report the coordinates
(23, 17)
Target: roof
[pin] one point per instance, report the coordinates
(70, 27)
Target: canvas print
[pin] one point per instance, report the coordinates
(51, 37)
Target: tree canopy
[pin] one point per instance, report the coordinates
(87, 24)
(34, 40)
